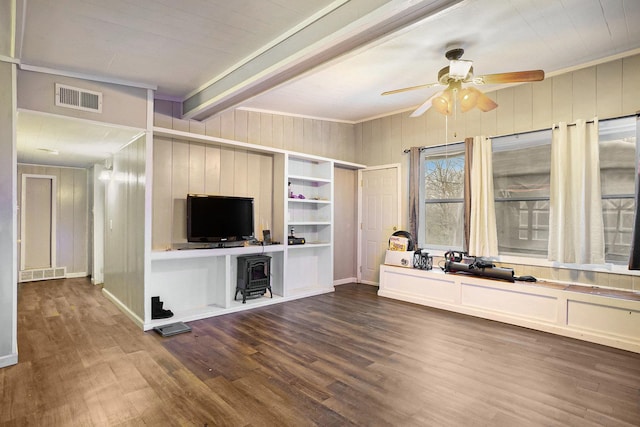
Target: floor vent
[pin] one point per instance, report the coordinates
(78, 99)
(42, 274)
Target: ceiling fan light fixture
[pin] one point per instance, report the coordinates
(485, 103)
(460, 72)
(468, 99)
(442, 103)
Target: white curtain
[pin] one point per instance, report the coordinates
(483, 238)
(576, 231)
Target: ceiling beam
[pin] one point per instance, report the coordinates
(346, 26)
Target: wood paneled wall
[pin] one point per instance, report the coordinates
(345, 219)
(72, 208)
(124, 229)
(188, 167)
(308, 136)
(606, 90)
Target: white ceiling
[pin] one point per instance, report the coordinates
(183, 47)
(45, 139)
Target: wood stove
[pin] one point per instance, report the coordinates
(254, 276)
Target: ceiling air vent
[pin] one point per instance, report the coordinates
(78, 99)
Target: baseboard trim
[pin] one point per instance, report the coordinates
(76, 275)
(126, 310)
(345, 281)
(9, 360)
(369, 282)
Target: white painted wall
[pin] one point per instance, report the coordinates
(121, 105)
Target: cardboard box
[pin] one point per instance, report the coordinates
(399, 258)
(398, 243)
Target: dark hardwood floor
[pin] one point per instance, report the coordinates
(346, 358)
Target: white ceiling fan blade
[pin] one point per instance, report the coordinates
(405, 89)
(427, 104)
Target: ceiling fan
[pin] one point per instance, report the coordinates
(458, 72)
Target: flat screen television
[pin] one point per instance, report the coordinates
(219, 218)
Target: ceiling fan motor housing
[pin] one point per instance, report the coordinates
(445, 79)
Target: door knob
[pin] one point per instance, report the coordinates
(395, 228)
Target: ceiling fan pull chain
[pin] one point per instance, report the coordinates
(446, 131)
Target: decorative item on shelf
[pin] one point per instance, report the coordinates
(422, 260)
(296, 240)
(293, 240)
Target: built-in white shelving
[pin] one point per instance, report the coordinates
(309, 211)
(201, 283)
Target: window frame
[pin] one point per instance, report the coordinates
(455, 148)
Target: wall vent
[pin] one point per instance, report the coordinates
(78, 99)
(42, 274)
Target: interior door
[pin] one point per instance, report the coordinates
(380, 216)
(37, 222)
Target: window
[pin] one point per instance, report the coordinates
(521, 176)
(617, 146)
(444, 196)
(521, 179)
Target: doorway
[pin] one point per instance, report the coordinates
(38, 222)
(379, 217)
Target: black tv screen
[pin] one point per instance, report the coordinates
(219, 218)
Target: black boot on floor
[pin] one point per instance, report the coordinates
(157, 312)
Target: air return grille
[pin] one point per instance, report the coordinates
(78, 99)
(42, 274)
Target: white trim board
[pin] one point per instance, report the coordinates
(8, 360)
(54, 218)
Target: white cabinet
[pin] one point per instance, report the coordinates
(572, 311)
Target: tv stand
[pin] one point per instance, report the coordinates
(213, 245)
(237, 244)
